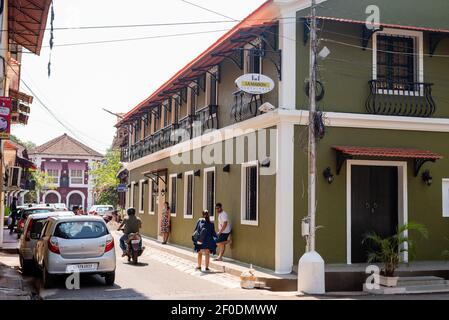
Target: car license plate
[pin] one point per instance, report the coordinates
(85, 267)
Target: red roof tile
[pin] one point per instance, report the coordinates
(206, 59)
(389, 153)
(65, 146)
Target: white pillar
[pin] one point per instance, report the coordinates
(287, 43)
(285, 146)
(284, 198)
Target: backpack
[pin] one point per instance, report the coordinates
(199, 232)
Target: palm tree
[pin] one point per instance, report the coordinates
(388, 250)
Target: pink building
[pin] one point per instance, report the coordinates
(69, 163)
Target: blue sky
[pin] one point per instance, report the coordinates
(116, 76)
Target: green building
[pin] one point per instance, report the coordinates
(382, 161)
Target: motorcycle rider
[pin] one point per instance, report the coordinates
(131, 224)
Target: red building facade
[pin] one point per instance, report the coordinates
(68, 162)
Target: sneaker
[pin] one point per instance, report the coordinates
(198, 269)
(207, 269)
(124, 254)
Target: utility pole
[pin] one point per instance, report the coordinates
(312, 138)
(311, 275)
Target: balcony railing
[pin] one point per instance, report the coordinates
(411, 99)
(245, 106)
(205, 119)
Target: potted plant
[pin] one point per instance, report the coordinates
(388, 250)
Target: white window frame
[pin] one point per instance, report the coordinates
(131, 195)
(141, 205)
(186, 175)
(150, 199)
(445, 194)
(82, 177)
(243, 220)
(246, 56)
(206, 170)
(59, 176)
(419, 48)
(170, 177)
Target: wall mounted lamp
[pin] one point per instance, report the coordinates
(327, 173)
(427, 178)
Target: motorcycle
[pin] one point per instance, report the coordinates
(134, 248)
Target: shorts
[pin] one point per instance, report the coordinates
(223, 237)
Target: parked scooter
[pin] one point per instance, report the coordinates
(134, 248)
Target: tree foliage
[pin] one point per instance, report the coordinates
(105, 178)
(27, 144)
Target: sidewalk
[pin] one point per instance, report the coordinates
(268, 279)
(12, 284)
(10, 242)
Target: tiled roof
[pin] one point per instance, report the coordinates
(388, 153)
(252, 25)
(65, 146)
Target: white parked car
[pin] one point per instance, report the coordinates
(32, 229)
(101, 210)
(75, 244)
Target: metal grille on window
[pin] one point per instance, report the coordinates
(142, 196)
(189, 208)
(251, 194)
(213, 91)
(396, 62)
(153, 196)
(254, 61)
(173, 195)
(210, 195)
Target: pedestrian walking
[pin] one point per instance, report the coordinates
(13, 215)
(224, 231)
(165, 223)
(204, 239)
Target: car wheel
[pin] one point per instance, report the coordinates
(109, 278)
(47, 278)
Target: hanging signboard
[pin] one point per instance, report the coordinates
(5, 117)
(254, 83)
(122, 187)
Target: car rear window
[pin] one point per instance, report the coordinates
(36, 228)
(26, 213)
(80, 230)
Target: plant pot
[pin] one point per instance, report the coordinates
(388, 281)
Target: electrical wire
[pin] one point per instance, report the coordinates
(43, 105)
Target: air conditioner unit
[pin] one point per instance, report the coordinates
(14, 176)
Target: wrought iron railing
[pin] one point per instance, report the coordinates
(205, 119)
(245, 106)
(185, 128)
(124, 155)
(412, 99)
